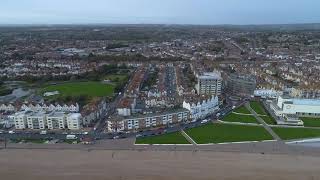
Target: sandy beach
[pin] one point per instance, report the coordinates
(105, 164)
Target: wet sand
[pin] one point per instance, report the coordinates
(105, 164)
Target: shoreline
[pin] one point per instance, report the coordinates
(109, 164)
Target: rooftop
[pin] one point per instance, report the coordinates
(173, 110)
(310, 102)
(210, 75)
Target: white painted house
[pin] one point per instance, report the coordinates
(202, 108)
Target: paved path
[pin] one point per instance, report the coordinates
(188, 137)
(265, 125)
(239, 123)
(247, 114)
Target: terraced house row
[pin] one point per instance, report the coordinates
(139, 121)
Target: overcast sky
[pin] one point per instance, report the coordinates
(159, 11)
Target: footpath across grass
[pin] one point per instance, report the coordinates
(221, 133)
(170, 138)
(259, 109)
(268, 119)
(296, 133)
(232, 117)
(311, 122)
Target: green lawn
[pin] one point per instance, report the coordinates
(220, 133)
(296, 133)
(116, 78)
(310, 122)
(91, 89)
(242, 109)
(170, 138)
(268, 119)
(240, 118)
(258, 107)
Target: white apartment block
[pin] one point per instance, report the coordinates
(43, 120)
(209, 83)
(56, 120)
(36, 120)
(20, 120)
(74, 121)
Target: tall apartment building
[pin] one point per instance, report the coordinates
(74, 121)
(209, 83)
(241, 85)
(57, 120)
(36, 120)
(20, 120)
(43, 120)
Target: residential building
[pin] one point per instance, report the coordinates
(56, 120)
(74, 121)
(7, 107)
(36, 120)
(267, 93)
(139, 121)
(20, 120)
(201, 108)
(93, 111)
(209, 83)
(241, 85)
(50, 107)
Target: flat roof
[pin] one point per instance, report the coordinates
(210, 75)
(312, 102)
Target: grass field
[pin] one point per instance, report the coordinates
(242, 109)
(219, 133)
(311, 122)
(170, 138)
(258, 107)
(116, 78)
(240, 118)
(268, 119)
(91, 89)
(296, 133)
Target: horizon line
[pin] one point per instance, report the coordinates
(164, 24)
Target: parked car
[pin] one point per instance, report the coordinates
(71, 136)
(204, 121)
